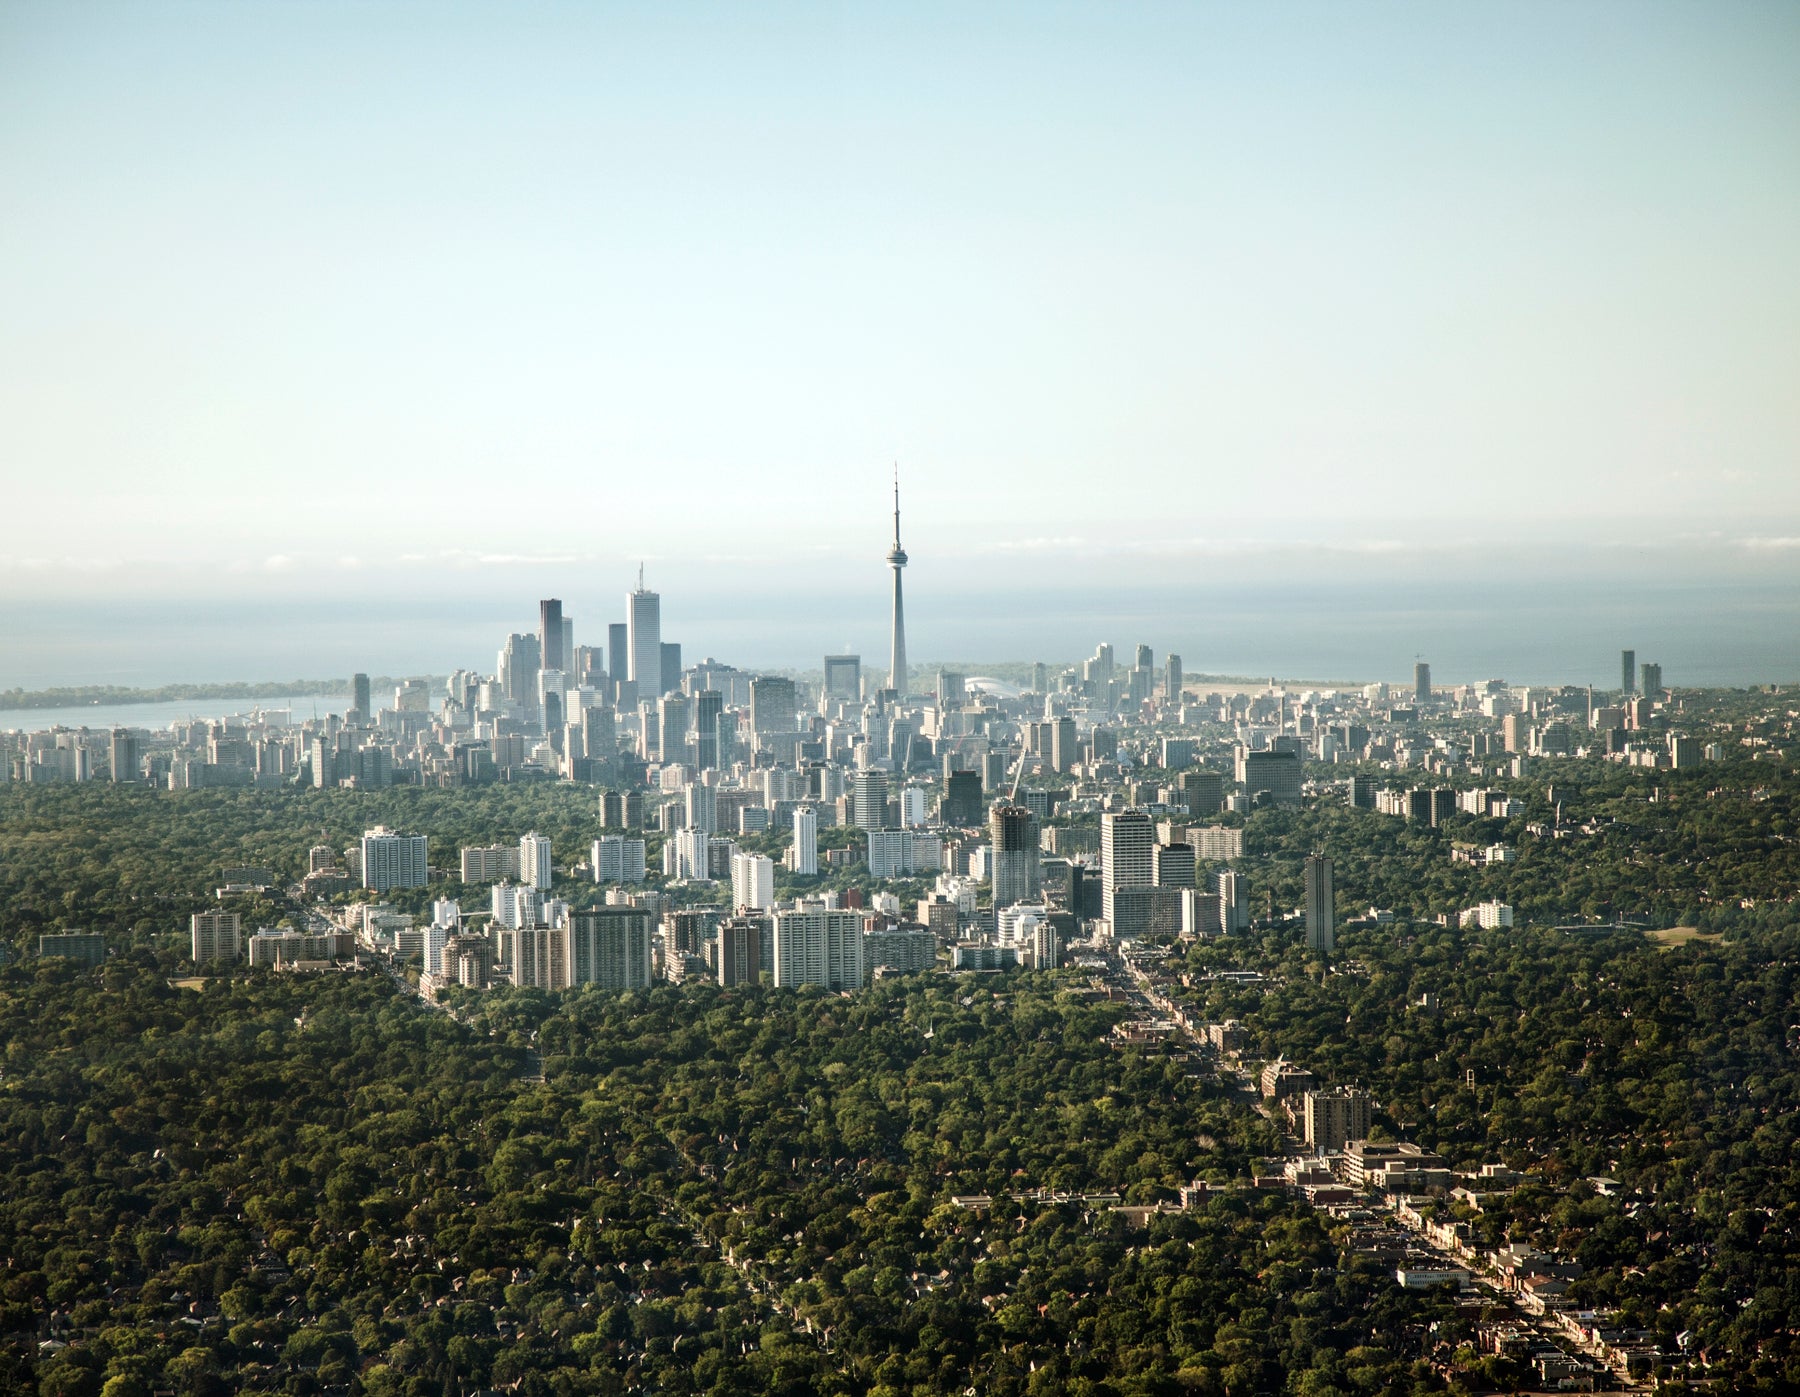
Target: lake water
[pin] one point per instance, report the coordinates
(156, 716)
(1479, 622)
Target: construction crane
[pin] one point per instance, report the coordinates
(1018, 774)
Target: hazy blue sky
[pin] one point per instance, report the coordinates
(477, 297)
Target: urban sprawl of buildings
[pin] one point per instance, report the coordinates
(984, 824)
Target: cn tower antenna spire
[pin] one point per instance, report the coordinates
(896, 560)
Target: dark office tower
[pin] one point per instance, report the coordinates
(1017, 860)
(622, 810)
(1172, 680)
(618, 652)
(671, 666)
(737, 959)
(672, 723)
(1653, 681)
(725, 736)
(1362, 792)
(1321, 907)
(1173, 865)
(771, 705)
(643, 612)
(1628, 671)
(550, 634)
(843, 677)
(124, 757)
(1146, 657)
(709, 707)
(599, 737)
(359, 697)
(1040, 679)
(962, 799)
(1422, 682)
(1204, 791)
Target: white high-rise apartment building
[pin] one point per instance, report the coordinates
(392, 860)
(1030, 929)
(217, 936)
(818, 947)
(894, 853)
(804, 856)
(446, 921)
(516, 905)
(617, 859)
(643, 620)
(490, 862)
(535, 865)
(540, 957)
(1216, 842)
(686, 854)
(752, 882)
(701, 805)
(1127, 858)
(1234, 902)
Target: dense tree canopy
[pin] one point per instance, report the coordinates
(308, 1182)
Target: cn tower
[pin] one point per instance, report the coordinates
(897, 560)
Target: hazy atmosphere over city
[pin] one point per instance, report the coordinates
(327, 312)
(899, 700)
